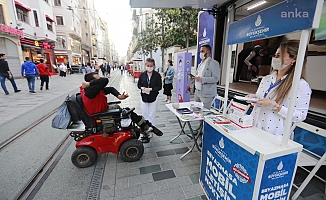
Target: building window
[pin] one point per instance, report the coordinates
(49, 24)
(57, 2)
(59, 20)
(2, 20)
(22, 14)
(36, 19)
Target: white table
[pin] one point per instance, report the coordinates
(195, 133)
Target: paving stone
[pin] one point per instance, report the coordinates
(173, 194)
(194, 178)
(187, 170)
(154, 187)
(150, 169)
(168, 165)
(158, 176)
(165, 153)
(181, 150)
(192, 190)
(190, 161)
(139, 180)
(178, 182)
(127, 192)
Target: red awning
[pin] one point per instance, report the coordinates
(49, 18)
(22, 5)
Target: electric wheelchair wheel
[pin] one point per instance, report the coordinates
(131, 150)
(84, 157)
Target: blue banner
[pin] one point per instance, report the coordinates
(277, 177)
(206, 28)
(227, 170)
(288, 16)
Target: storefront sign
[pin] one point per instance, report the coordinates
(11, 31)
(206, 28)
(288, 16)
(36, 43)
(227, 170)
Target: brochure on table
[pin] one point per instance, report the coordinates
(251, 163)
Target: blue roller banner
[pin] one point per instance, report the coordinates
(285, 17)
(206, 30)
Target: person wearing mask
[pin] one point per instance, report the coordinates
(29, 71)
(94, 91)
(270, 111)
(6, 73)
(206, 78)
(44, 74)
(150, 83)
(168, 82)
(248, 56)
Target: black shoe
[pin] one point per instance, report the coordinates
(33, 92)
(17, 91)
(41, 88)
(145, 139)
(157, 131)
(146, 128)
(7, 93)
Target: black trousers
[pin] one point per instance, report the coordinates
(45, 79)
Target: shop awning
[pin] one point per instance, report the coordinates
(49, 18)
(17, 3)
(175, 4)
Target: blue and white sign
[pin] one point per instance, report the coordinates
(288, 16)
(277, 177)
(227, 170)
(206, 28)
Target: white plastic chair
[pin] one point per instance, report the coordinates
(308, 158)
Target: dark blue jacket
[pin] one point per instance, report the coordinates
(29, 68)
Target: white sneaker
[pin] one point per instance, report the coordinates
(168, 101)
(165, 100)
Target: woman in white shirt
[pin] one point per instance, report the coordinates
(273, 92)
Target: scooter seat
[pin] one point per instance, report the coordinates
(107, 112)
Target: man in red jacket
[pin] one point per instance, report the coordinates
(94, 91)
(44, 74)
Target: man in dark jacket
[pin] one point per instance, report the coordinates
(94, 91)
(5, 73)
(29, 71)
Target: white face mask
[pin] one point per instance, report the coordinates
(149, 69)
(277, 64)
(202, 55)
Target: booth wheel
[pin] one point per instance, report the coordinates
(131, 150)
(84, 157)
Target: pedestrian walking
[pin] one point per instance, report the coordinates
(88, 68)
(63, 70)
(150, 83)
(5, 73)
(121, 69)
(83, 69)
(68, 68)
(44, 74)
(29, 71)
(168, 81)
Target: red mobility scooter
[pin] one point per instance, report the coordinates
(109, 131)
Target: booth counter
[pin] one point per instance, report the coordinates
(246, 164)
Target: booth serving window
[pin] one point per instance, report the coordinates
(2, 20)
(22, 14)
